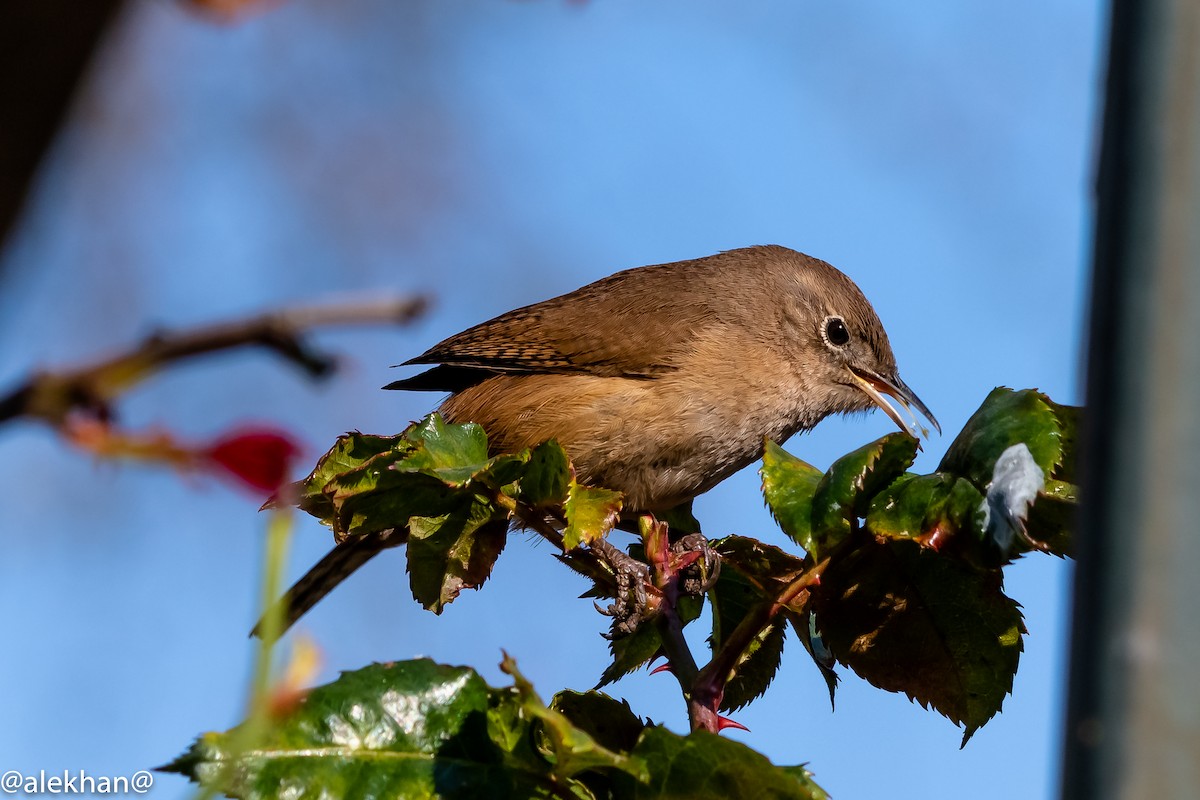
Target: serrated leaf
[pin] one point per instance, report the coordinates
(1052, 518)
(571, 749)
(454, 453)
(411, 729)
(788, 485)
(930, 509)
(548, 476)
(733, 596)
(350, 451)
(630, 652)
(804, 624)
(389, 503)
(414, 729)
(1006, 418)
(454, 551)
(909, 619)
(591, 514)
(1070, 421)
(609, 721)
(849, 484)
(704, 766)
(763, 564)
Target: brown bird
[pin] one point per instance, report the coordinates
(659, 381)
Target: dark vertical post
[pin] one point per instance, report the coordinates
(1133, 720)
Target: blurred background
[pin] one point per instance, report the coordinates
(493, 153)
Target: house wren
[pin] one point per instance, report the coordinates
(659, 381)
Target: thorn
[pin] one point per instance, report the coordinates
(664, 667)
(726, 722)
(606, 612)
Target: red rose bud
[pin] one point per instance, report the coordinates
(262, 459)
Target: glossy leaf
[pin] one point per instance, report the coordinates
(851, 482)
(930, 509)
(733, 596)
(591, 514)
(348, 452)
(765, 564)
(705, 766)
(571, 749)
(751, 573)
(788, 485)
(454, 551)
(1051, 519)
(909, 619)
(1005, 418)
(609, 721)
(547, 477)
(411, 729)
(454, 453)
(805, 627)
(631, 652)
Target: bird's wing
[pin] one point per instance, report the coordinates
(633, 324)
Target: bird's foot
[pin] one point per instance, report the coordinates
(632, 596)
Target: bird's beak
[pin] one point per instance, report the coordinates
(875, 387)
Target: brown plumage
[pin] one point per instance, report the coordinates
(661, 381)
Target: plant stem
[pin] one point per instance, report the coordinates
(709, 685)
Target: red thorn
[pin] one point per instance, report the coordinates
(816, 580)
(664, 667)
(726, 722)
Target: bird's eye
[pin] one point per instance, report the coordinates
(834, 331)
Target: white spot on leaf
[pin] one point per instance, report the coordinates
(1016, 481)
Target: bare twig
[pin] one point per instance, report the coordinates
(90, 389)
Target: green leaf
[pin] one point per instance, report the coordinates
(733, 597)
(571, 749)
(849, 484)
(609, 721)
(788, 486)
(1006, 418)
(548, 476)
(1051, 519)
(765, 565)
(591, 514)
(454, 453)
(631, 652)
(348, 452)
(1070, 421)
(804, 624)
(454, 551)
(909, 619)
(376, 505)
(411, 729)
(930, 509)
(751, 573)
(680, 519)
(704, 766)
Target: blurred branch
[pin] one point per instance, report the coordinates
(90, 390)
(45, 48)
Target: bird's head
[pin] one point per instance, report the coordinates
(842, 347)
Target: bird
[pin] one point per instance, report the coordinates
(658, 381)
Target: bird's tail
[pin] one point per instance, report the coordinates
(339, 564)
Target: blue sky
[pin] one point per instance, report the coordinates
(493, 154)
